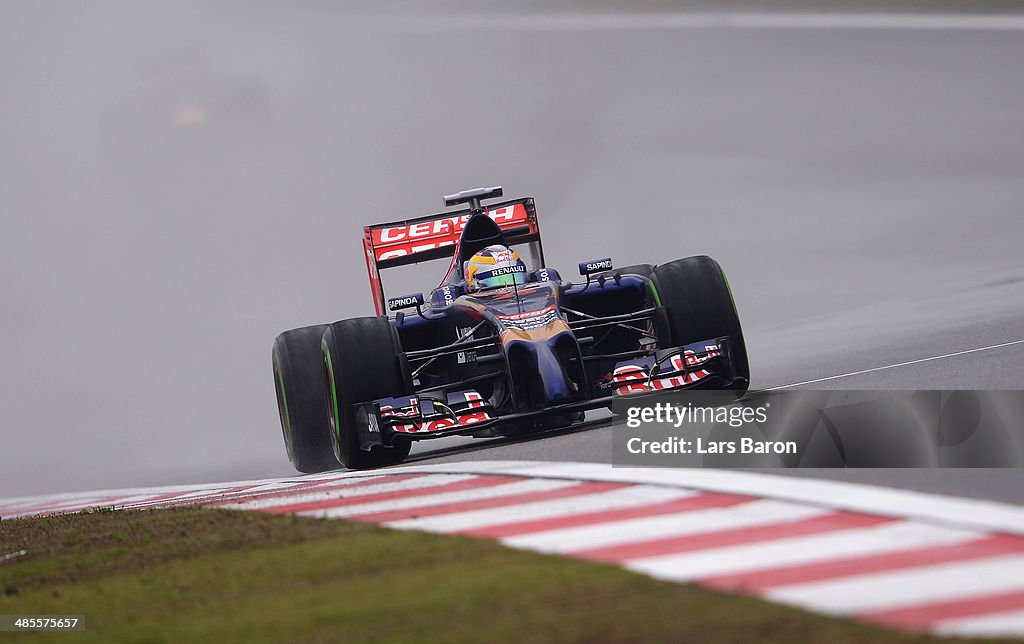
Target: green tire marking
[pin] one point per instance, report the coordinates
(654, 292)
(728, 289)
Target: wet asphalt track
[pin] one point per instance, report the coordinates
(863, 189)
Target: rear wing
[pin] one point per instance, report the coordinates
(411, 241)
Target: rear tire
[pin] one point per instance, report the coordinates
(298, 382)
(699, 306)
(362, 361)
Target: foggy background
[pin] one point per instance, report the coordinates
(179, 182)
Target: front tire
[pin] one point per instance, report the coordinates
(362, 361)
(300, 393)
(699, 306)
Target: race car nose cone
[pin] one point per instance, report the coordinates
(553, 379)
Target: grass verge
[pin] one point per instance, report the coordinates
(189, 574)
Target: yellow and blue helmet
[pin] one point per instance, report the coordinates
(494, 266)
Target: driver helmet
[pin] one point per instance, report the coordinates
(494, 266)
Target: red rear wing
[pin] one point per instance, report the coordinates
(422, 239)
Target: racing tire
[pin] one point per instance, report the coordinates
(698, 305)
(298, 383)
(362, 361)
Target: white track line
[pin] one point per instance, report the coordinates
(921, 585)
(679, 20)
(898, 364)
(853, 542)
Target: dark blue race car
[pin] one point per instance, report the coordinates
(502, 346)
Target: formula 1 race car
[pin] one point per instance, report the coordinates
(502, 346)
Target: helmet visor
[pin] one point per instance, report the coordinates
(501, 276)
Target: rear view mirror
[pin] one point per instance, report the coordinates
(405, 301)
(595, 266)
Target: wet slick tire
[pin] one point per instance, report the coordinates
(699, 306)
(362, 361)
(298, 382)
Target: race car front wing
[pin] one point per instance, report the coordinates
(436, 414)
